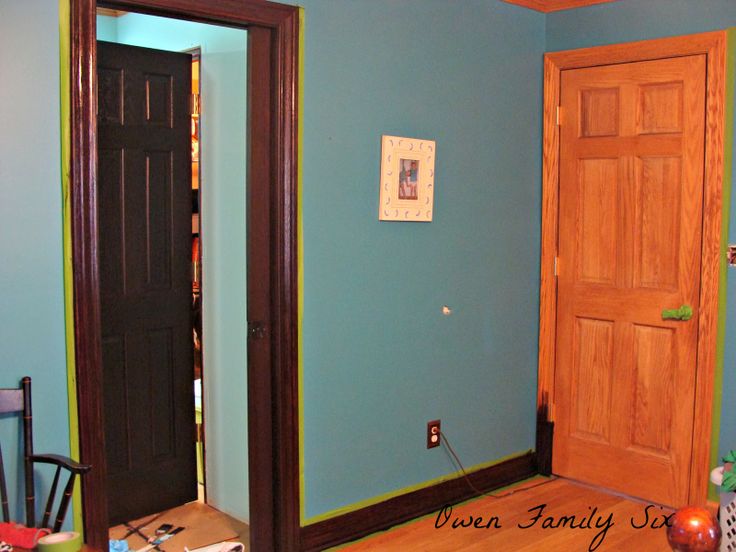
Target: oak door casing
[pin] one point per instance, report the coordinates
(144, 191)
(632, 144)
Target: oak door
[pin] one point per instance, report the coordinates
(144, 191)
(630, 217)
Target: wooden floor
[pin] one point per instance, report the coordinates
(552, 500)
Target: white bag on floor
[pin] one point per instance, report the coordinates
(728, 513)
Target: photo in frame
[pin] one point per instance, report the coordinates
(407, 179)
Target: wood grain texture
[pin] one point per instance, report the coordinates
(260, 422)
(599, 110)
(109, 13)
(550, 202)
(403, 508)
(547, 6)
(710, 266)
(713, 46)
(703, 43)
(637, 200)
(87, 330)
(561, 497)
(274, 410)
(592, 378)
(261, 13)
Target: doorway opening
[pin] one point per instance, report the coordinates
(150, 71)
(271, 269)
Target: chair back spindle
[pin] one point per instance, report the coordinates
(52, 496)
(3, 489)
(28, 452)
(19, 401)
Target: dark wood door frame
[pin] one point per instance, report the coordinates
(272, 257)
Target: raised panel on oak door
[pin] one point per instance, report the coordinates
(599, 112)
(660, 108)
(658, 222)
(598, 216)
(593, 373)
(654, 358)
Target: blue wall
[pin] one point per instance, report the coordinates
(638, 20)
(223, 174)
(31, 275)
(380, 360)
(628, 20)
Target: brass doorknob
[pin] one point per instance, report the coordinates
(685, 312)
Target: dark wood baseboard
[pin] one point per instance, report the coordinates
(545, 436)
(400, 509)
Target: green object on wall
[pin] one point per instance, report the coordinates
(685, 312)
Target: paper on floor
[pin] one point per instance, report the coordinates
(220, 547)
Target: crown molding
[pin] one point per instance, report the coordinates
(547, 6)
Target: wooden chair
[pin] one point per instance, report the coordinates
(19, 400)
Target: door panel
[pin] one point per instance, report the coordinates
(593, 375)
(144, 190)
(631, 187)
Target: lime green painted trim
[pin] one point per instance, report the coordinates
(416, 520)
(65, 124)
(723, 275)
(300, 260)
(405, 490)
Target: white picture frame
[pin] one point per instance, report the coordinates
(407, 179)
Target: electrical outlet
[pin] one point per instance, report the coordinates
(433, 434)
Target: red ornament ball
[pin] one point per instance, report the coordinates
(693, 529)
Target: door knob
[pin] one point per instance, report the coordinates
(685, 312)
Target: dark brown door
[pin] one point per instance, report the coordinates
(144, 191)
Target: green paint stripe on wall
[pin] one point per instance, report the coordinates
(381, 498)
(65, 124)
(300, 261)
(723, 276)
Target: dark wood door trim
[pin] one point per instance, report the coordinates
(272, 407)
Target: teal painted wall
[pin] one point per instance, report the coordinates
(31, 274)
(629, 20)
(107, 28)
(380, 360)
(223, 174)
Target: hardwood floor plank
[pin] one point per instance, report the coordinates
(554, 529)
